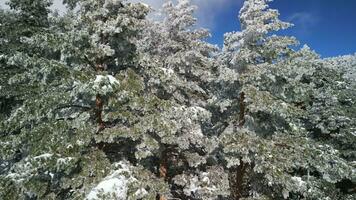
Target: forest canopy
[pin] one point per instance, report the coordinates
(105, 102)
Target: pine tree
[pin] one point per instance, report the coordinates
(255, 44)
(77, 123)
(270, 147)
(179, 66)
(105, 103)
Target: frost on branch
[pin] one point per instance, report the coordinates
(104, 102)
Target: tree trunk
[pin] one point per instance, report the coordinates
(99, 103)
(242, 110)
(163, 170)
(236, 180)
(237, 173)
(98, 113)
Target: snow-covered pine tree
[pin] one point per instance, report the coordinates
(244, 53)
(256, 44)
(91, 110)
(271, 145)
(103, 104)
(178, 63)
(82, 115)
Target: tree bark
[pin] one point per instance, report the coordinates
(242, 110)
(98, 112)
(236, 180)
(163, 170)
(99, 103)
(237, 174)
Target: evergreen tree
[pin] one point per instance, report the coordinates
(256, 44)
(105, 103)
(82, 87)
(178, 65)
(270, 146)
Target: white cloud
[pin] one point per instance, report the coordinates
(304, 21)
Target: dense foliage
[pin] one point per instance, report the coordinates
(104, 102)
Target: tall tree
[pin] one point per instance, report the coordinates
(103, 103)
(269, 146)
(179, 64)
(81, 86)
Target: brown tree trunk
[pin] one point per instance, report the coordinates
(237, 174)
(99, 103)
(236, 180)
(98, 112)
(163, 169)
(242, 110)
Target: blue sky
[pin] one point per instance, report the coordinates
(327, 26)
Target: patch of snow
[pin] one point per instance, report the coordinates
(197, 113)
(298, 181)
(114, 185)
(50, 174)
(99, 78)
(167, 71)
(105, 83)
(353, 133)
(327, 177)
(285, 194)
(196, 130)
(45, 156)
(79, 142)
(145, 5)
(63, 161)
(206, 179)
(141, 192)
(192, 188)
(112, 79)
